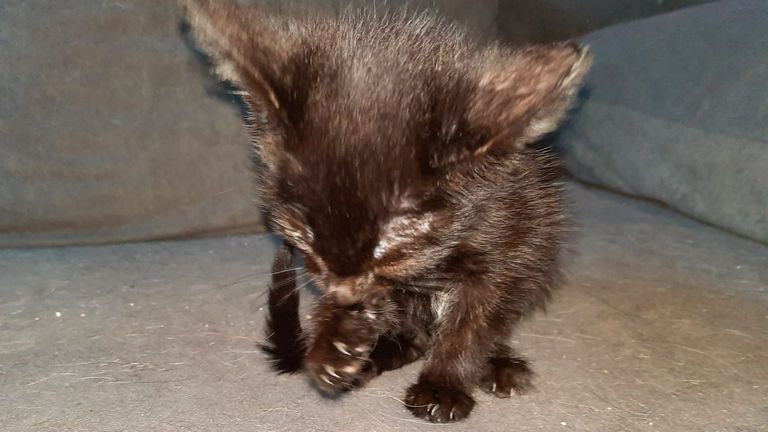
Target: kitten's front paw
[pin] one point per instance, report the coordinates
(507, 376)
(340, 367)
(339, 358)
(438, 404)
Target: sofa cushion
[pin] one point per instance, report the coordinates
(676, 111)
(112, 130)
(527, 21)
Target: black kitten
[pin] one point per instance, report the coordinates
(395, 159)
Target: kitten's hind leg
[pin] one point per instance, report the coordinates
(506, 373)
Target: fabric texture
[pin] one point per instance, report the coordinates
(537, 21)
(675, 110)
(108, 132)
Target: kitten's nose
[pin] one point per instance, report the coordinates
(342, 296)
(343, 291)
(347, 291)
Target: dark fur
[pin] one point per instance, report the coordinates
(395, 158)
(285, 342)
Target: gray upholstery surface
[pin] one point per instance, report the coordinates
(676, 111)
(107, 131)
(661, 327)
(526, 21)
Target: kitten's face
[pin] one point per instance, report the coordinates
(353, 187)
(362, 223)
(366, 255)
(360, 127)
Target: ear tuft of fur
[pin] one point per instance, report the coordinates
(236, 38)
(525, 94)
(516, 98)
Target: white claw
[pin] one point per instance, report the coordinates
(370, 315)
(341, 346)
(361, 349)
(328, 381)
(511, 392)
(432, 409)
(453, 414)
(493, 390)
(330, 371)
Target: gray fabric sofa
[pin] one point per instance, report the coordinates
(676, 111)
(113, 132)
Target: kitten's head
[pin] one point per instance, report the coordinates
(361, 122)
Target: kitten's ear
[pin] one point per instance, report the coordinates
(524, 95)
(243, 49)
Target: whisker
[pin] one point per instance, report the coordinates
(293, 291)
(399, 347)
(253, 276)
(422, 289)
(286, 270)
(426, 284)
(434, 279)
(309, 281)
(238, 281)
(283, 283)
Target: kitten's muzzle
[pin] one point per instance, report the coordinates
(350, 291)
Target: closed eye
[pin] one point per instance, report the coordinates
(386, 280)
(396, 235)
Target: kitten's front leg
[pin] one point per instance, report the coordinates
(506, 373)
(465, 335)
